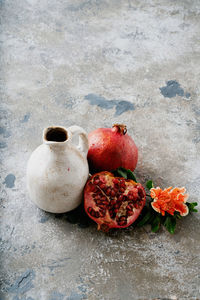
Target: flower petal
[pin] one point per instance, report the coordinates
(155, 192)
(165, 196)
(171, 211)
(168, 189)
(182, 208)
(155, 206)
(183, 198)
(176, 191)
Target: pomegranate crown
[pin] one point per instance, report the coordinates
(121, 128)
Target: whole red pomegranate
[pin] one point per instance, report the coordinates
(113, 202)
(111, 148)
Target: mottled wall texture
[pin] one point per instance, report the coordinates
(94, 63)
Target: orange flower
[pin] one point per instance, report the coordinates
(170, 200)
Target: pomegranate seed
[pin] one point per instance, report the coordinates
(102, 186)
(96, 181)
(130, 212)
(93, 213)
(122, 184)
(112, 193)
(108, 191)
(117, 205)
(138, 200)
(102, 207)
(130, 197)
(120, 198)
(122, 223)
(104, 202)
(98, 202)
(113, 202)
(140, 192)
(122, 190)
(112, 214)
(97, 215)
(115, 180)
(93, 187)
(89, 209)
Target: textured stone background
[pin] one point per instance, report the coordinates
(64, 62)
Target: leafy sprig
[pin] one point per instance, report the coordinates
(148, 214)
(149, 184)
(126, 173)
(191, 206)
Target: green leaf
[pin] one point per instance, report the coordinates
(177, 215)
(155, 224)
(145, 219)
(151, 219)
(191, 206)
(149, 184)
(130, 175)
(170, 224)
(122, 172)
(126, 173)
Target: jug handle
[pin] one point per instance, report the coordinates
(83, 145)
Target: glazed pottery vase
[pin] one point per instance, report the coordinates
(58, 170)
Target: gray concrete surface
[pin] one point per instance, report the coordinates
(94, 63)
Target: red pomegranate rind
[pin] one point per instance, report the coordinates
(113, 202)
(111, 148)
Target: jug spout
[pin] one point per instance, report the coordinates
(55, 136)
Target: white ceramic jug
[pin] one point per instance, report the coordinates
(58, 170)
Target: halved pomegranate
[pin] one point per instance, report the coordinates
(113, 202)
